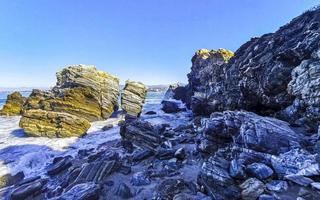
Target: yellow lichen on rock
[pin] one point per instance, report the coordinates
(14, 105)
(224, 54)
(41, 123)
(132, 97)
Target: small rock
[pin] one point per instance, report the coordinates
(300, 180)
(151, 113)
(259, 170)
(236, 170)
(83, 191)
(28, 189)
(165, 154)
(252, 189)
(267, 197)
(170, 106)
(8, 179)
(60, 165)
(316, 185)
(277, 186)
(107, 127)
(123, 191)
(141, 155)
(140, 178)
(180, 154)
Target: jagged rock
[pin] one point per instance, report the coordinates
(167, 189)
(8, 179)
(59, 164)
(96, 171)
(84, 191)
(295, 161)
(140, 178)
(53, 124)
(245, 129)
(123, 191)
(236, 169)
(277, 186)
(214, 177)
(177, 91)
(102, 91)
(141, 155)
(14, 104)
(29, 189)
(252, 189)
(81, 90)
(277, 72)
(180, 154)
(140, 133)
(171, 106)
(37, 98)
(133, 97)
(300, 180)
(259, 170)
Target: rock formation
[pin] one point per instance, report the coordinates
(14, 104)
(53, 124)
(82, 93)
(133, 97)
(275, 74)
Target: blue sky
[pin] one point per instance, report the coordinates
(147, 40)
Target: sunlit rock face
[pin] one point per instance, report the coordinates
(82, 93)
(275, 74)
(87, 92)
(41, 123)
(14, 105)
(133, 97)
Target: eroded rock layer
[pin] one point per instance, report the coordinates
(133, 97)
(53, 124)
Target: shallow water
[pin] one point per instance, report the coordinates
(32, 154)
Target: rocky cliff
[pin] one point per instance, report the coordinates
(275, 74)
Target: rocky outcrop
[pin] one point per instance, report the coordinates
(273, 74)
(141, 134)
(207, 69)
(82, 94)
(133, 97)
(53, 124)
(248, 130)
(14, 104)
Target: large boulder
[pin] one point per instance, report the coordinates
(133, 97)
(82, 91)
(14, 104)
(141, 134)
(248, 130)
(276, 73)
(82, 94)
(41, 123)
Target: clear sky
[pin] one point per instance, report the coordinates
(147, 40)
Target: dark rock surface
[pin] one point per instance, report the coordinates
(275, 74)
(140, 133)
(169, 106)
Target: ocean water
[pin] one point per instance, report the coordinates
(32, 154)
